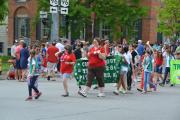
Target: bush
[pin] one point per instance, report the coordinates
(5, 64)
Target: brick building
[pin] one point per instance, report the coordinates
(22, 12)
(149, 23)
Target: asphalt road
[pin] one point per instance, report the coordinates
(161, 105)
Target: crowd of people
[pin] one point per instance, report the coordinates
(152, 62)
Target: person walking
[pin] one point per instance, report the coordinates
(148, 68)
(96, 67)
(51, 61)
(123, 69)
(33, 76)
(68, 60)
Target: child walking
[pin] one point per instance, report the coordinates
(33, 76)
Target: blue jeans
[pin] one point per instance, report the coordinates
(31, 85)
(167, 70)
(147, 76)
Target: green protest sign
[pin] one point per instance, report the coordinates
(175, 72)
(110, 74)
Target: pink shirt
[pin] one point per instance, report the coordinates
(18, 49)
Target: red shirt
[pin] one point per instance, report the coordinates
(51, 51)
(67, 68)
(44, 63)
(94, 60)
(158, 61)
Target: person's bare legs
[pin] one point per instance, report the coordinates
(23, 75)
(65, 85)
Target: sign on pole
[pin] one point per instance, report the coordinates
(175, 72)
(53, 9)
(54, 2)
(64, 11)
(43, 14)
(64, 3)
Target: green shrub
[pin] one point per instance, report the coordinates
(5, 64)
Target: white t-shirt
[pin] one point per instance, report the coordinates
(13, 51)
(128, 57)
(60, 46)
(33, 63)
(168, 59)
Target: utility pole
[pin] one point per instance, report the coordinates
(55, 9)
(55, 20)
(55, 27)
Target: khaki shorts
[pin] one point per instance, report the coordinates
(51, 67)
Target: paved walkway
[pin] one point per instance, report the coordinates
(161, 105)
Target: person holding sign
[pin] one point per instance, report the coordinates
(96, 67)
(68, 60)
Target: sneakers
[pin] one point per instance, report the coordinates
(28, 98)
(101, 95)
(116, 92)
(144, 92)
(139, 89)
(82, 93)
(129, 88)
(38, 95)
(95, 87)
(123, 91)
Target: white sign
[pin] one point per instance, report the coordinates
(53, 9)
(64, 3)
(43, 14)
(64, 11)
(54, 2)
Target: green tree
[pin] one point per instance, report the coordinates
(169, 17)
(120, 15)
(3, 10)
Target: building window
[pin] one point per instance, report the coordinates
(22, 27)
(105, 31)
(138, 30)
(21, 0)
(1, 47)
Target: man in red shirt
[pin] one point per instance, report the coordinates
(51, 60)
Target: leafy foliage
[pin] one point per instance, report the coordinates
(169, 16)
(118, 14)
(3, 9)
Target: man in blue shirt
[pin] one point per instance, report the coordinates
(140, 48)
